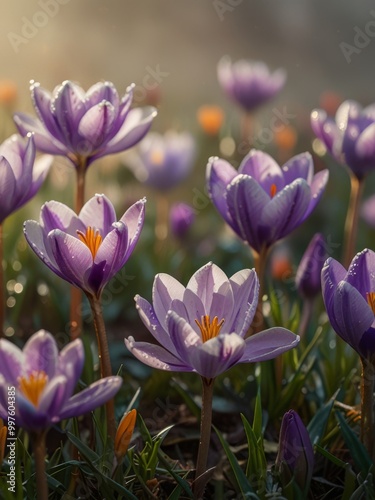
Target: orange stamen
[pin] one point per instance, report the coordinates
(209, 329)
(370, 296)
(92, 239)
(273, 190)
(33, 386)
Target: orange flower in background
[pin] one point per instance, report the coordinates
(286, 138)
(210, 118)
(124, 434)
(8, 92)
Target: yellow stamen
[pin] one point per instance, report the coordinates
(33, 386)
(370, 296)
(92, 239)
(273, 190)
(209, 329)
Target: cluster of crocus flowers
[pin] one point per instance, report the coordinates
(87, 249)
(249, 83)
(84, 126)
(263, 202)
(163, 161)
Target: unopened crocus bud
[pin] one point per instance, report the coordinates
(181, 218)
(124, 434)
(308, 273)
(295, 458)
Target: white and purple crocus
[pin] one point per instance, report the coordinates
(43, 381)
(349, 136)
(249, 83)
(263, 202)
(202, 328)
(84, 126)
(88, 249)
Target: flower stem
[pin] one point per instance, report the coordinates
(2, 283)
(351, 222)
(205, 436)
(367, 406)
(104, 358)
(39, 446)
(260, 260)
(75, 293)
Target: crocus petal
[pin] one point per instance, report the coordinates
(135, 127)
(133, 219)
(268, 344)
(56, 215)
(96, 123)
(98, 211)
(11, 361)
(102, 91)
(183, 337)
(35, 237)
(42, 101)
(219, 174)
(246, 201)
(206, 281)
(217, 355)
(359, 274)
(74, 356)
(69, 107)
(156, 356)
(365, 145)
(317, 187)
(324, 128)
(164, 290)
(7, 188)
(264, 169)
(41, 354)
(300, 166)
(92, 397)
(73, 257)
(286, 209)
(44, 141)
(352, 315)
(245, 286)
(29, 416)
(332, 273)
(53, 397)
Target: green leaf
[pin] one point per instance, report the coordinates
(357, 451)
(242, 481)
(318, 423)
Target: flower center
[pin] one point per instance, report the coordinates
(273, 190)
(209, 329)
(370, 296)
(91, 238)
(33, 385)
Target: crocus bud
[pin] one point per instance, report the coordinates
(181, 218)
(295, 458)
(309, 270)
(124, 434)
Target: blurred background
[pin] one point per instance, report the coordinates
(170, 51)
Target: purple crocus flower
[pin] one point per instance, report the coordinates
(163, 161)
(89, 249)
(368, 211)
(263, 202)
(350, 136)
(42, 382)
(349, 298)
(83, 125)
(249, 83)
(295, 458)
(309, 270)
(20, 177)
(201, 328)
(181, 218)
